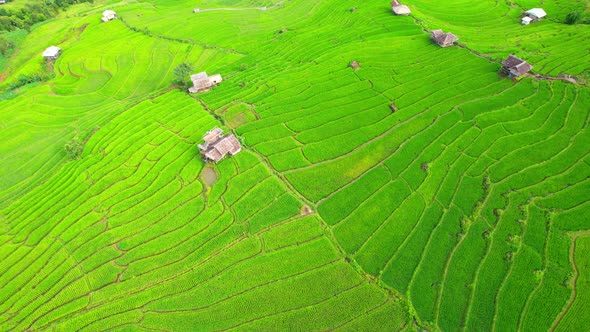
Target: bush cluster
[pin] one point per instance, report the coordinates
(25, 79)
(74, 148)
(5, 45)
(11, 19)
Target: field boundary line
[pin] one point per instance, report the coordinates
(574, 237)
(565, 77)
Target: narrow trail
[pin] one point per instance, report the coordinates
(198, 10)
(391, 293)
(179, 40)
(564, 77)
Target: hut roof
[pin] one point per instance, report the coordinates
(51, 51)
(516, 65)
(536, 12)
(212, 135)
(443, 38)
(215, 79)
(217, 146)
(512, 61)
(108, 12)
(203, 82)
(401, 10)
(354, 65)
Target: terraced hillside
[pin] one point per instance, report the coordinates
(443, 195)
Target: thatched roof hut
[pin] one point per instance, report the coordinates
(443, 39)
(514, 66)
(216, 146)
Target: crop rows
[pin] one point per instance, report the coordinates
(457, 190)
(435, 199)
(127, 235)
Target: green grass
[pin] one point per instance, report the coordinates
(465, 209)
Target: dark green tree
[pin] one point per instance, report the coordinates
(573, 17)
(74, 148)
(182, 74)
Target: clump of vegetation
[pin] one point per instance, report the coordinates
(5, 45)
(573, 17)
(25, 79)
(32, 13)
(424, 167)
(74, 148)
(182, 73)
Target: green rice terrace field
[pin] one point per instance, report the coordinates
(423, 191)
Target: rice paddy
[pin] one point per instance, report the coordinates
(464, 207)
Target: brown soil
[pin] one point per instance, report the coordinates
(306, 210)
(209, 176)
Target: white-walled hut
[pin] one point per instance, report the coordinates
(443, 39)
(526, 20)
(202, 82)
(52, 53)
(108, 15)
(216, 146)
(514, 66)
(398, 9)
(533, 15)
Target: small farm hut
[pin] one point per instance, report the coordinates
(526, 20)
(108, 15)
(399, 9)
(2, 2)
(354, 65)
(514, 66)
(202, 82)
(52, 53)
(535, 14)
(393, 108)
(443, 39)
(216, 146)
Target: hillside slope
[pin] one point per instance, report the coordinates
(444, 195)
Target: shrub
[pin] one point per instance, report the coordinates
(573, 17)
(25, 79)
(74, 148)
(5, 45)
(181, 73)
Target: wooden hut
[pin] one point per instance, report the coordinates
(515, 67)
(202, 82)
(443, 39)
(216, 146)
(354, 65)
